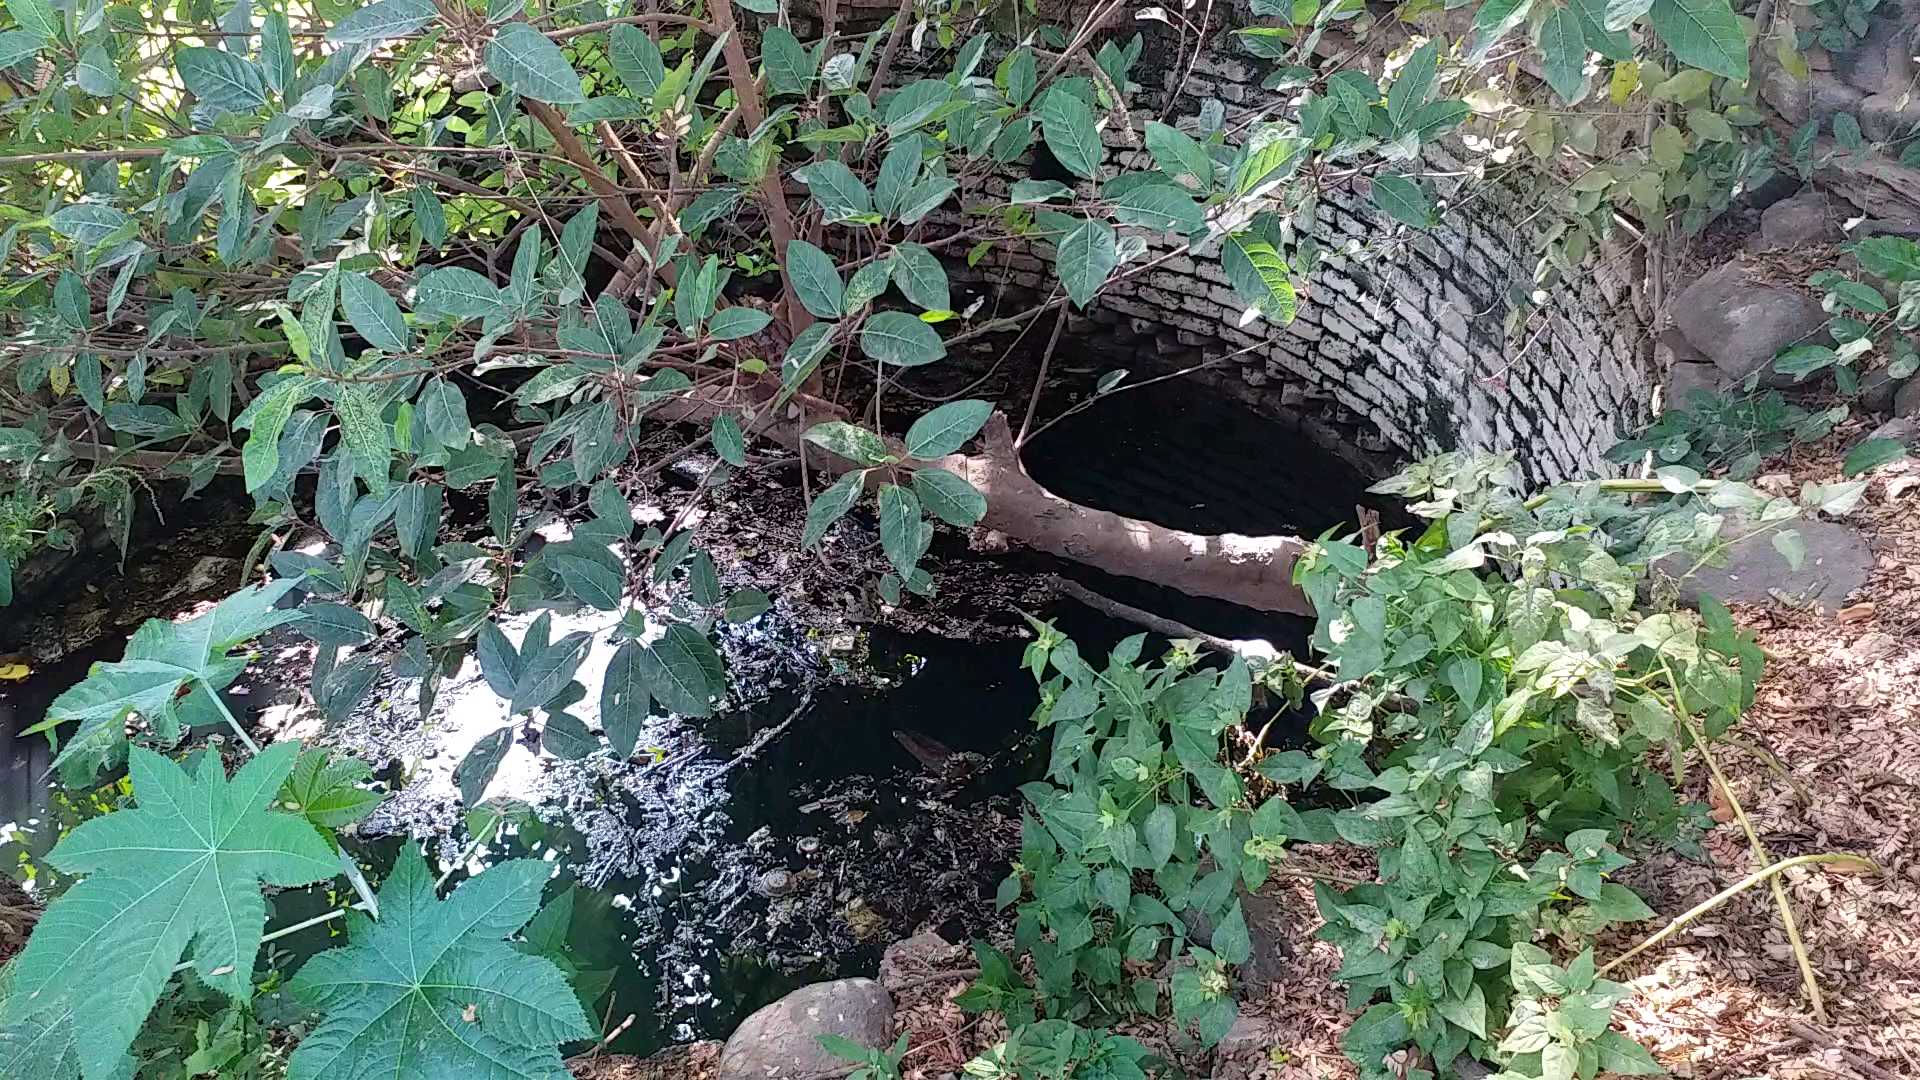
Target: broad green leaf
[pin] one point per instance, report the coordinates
(544, 672)
(624, 699)
(636, 60)
(1872, 454)
(382, 21)
(367, 440)
(900, 527)
(335, 624)
(1260, 276)
(1703, 33)
(179, 872)
(815, 280)
(1231, 941)
(1412, 84)
(1404, 200)
(836, 189)
(683, 671)
(1160, 207)
(1067, 125)
(850, 441)
(947, 428)
(1179, 155)
(482, 760)
(526, 62)
(373, 313)
(1608, 42)
(17, 45)
(830, 506)
(1563, 47)
(37, 16)
(221, 80)
(444, 408)
(913, 104)
(1085, 258)
(948, 497)
(326, 790)
(456, 291)
(921, 278)
(894, 337)
(266, 416)
(434, 990)
(790, 67)
(87, 224)
(737, 322)
(1494, 19)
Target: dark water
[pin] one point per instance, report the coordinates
(674, 918)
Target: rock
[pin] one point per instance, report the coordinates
(1248, 1033)
(1270, 924)
(780, 1042)
(1819, 97)
(1906, 400)
(1837, 562)
(1807, 218)
(1902, 429)
(1878, 390)
(1741, 322)
(1877, 63)
(1884, 117)
(1684, 380)
(915, 958)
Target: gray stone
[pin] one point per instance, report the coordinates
(1878, 390)
(1837, 562)
(1819, 97)
(1808, 218)
(1901, 429)
(915, 958)
(1887, 116)
(1684, 380)
(780, 1042)
(1741, 322)
(1248, 1033)
(1878, 63)
(1906, 400)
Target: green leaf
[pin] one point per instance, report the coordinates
(266, 416)
(482, 760)
(1610, 43)
(1160, 207)
(948, 497)
(1178, 154)
(947, 428)
(1703, 33)
(728, 440)
(1412, 85)
(326, 791)
(17, 45)
(914, 104)
(363, 434)
(790, 67)
(545, 672)
(815, 280)
(921, 278)
(830, 506)
(335, 625)
(1468, 1011)
(894, 337)
(37, 16)
(624, 699)
(1259, 275)
(683, 671)
(744, 604)
(1615, 1053)
(636, 60)
(1404, 200)
(221, 80)
(738, 322)
(87, 224)
(850, 441)
(1494, 18)
(1231, 942)
(382, 21)
(1617, 903)
(1872, 454)
(1085, 258)
(373, 313)
(181, 872)
(456, 291)
(836, 189)
(434, 990)
(900, 527)
(1563, 47)
(444, 409)
(526, 62)
(1067, 125)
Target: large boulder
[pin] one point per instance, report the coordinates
(1837, 562)
(1741, 322)
(1810, 217)
(781, 1041)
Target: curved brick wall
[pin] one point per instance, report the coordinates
(1398, 356)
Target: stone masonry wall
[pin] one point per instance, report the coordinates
(1390, 358)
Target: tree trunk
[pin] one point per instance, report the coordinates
(1253, 571)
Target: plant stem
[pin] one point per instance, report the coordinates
(304, 924)
(246, 740)
(1856, 862)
